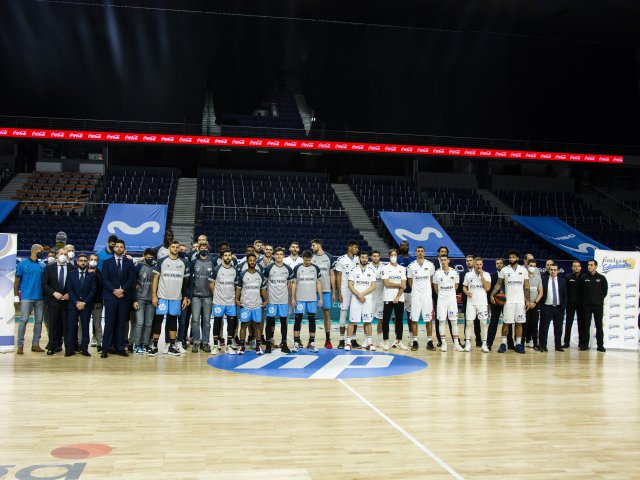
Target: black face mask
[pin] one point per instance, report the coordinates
(182, 254)
(149, 261)
(204, 253)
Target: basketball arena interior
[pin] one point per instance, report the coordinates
(303, 240)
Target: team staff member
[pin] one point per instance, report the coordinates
(96, 311)
(554, 303)
(54, 288)
(201, 299)
(573, 302)
(82, 290)
(404, 260)
(28, 282)
(119, 284)
(593, 289)
(496, 310)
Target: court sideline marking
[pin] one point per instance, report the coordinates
(410, 437)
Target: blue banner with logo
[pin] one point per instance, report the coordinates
(419, 229)
(8, 248)
(6, 207)
(563, 236)
(140, 226)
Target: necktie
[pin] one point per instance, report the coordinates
(119, 266)
(554, 292)
(81, 280)
(61, 278)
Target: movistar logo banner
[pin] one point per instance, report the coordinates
(140, 226)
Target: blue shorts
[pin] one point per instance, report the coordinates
(168, 307)
(306, 307)
(277, 310)
(248, 315)
(326, 301)
(222, 310)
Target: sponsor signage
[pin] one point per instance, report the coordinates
(304, 145)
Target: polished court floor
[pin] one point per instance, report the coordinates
(466, 415)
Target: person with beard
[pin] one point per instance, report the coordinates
(515, 279)
(469, 261)
(278, 278)
(404, 260)
(324, 261)
(593, 290)
(223, 286)
(419, 275)
(251, 296)
(96, 311)
(573, 303)
(223, 247)
(201, 299)
(362, 283)
(82, 288)
(496, 310)
(476, 284)
(163, 250)
(344, 264)
(145, 310)
(106, 252)
(442, 250)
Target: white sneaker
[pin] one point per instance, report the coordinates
(371, 347)
(530, 344)
(485, 349)
(230, 350)
(166, 349)
(467, 347)
(216, 350)
(395, 343)
(347, 346)
(380, 343)
(457, 347)
(180, 348)
(402, 346)
(94, 343)
(443, 347)
(385, 346)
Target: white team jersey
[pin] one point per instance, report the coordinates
(473, 282)
(377, 293)
(446, 282)
(293, 263)
(513, 281)
(394, 274)
(344, 264)
(421, 276)
(362, 279)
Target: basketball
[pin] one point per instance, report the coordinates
(500, 298)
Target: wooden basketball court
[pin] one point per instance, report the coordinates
(466, 415)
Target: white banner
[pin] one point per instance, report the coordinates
(8, 250)
(620, 319)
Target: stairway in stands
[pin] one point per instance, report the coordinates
(13, 186)
(184, 210)
(359, 218)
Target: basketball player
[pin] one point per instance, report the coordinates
(324, 261)
(223, 287)
(362, 283)
(293, 259)
(445, 283)
(419, 273)
(394, 277)
(278, 276)
(404, 259)
(344, 264)
(378, 302)
(251, 298)
(515, 279)
(476, 284)
(306, 297)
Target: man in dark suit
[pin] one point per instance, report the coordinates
(82, 289)
(554, 303)
(119, 282)
(54, 289)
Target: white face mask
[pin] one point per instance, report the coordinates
(51, 259)
(71, 254)
(62, 259)
(93, 264)
(531, 269)
(393, 259)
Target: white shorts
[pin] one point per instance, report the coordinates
(346, 299)
(514, 313)
(378, 308)
(481, 312)
(407, 302)
(422, 304)
(360, 312)
(447, 309)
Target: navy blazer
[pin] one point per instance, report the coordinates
(111, 279)
(563, 294)
(85, 294)
(50, 283)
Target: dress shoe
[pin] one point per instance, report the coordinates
(36, 348)
(559, 349)
(122, 353)
(584, 349)
(69, 354)
(566, 345)
(602, 349)
(51, 351)
(58, 350)
(537, 348)
(104, 355)
(543, 349)
(86, 354)
(20, 351)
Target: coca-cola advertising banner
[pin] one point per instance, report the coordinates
(303, 145)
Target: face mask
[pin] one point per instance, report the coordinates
(393, 258)
(149, 261)
(71, 255)
(204, 253)
(531, 269)
(93, 264)
(182, 254)
(62, 259)
(51, 259)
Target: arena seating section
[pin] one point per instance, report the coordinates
(574, 211)
(275, 208)
(473, 224)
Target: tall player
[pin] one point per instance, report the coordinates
(343, 266)
(394, 277)
(515, 279)
(306, 297)
(404, 259)
(419, 273)
(445, 284)
(362, 283)
(223, 286)
(476, 284)
(324, 261)
(278, 276)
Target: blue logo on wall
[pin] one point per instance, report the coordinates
(325, 364)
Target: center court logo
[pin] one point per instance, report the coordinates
(325, 364)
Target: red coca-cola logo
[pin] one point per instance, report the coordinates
(113, 136)
(238, 141)
(167, 139)
(38, 133)
(203, 140)
(131, 137)
(95, 136)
